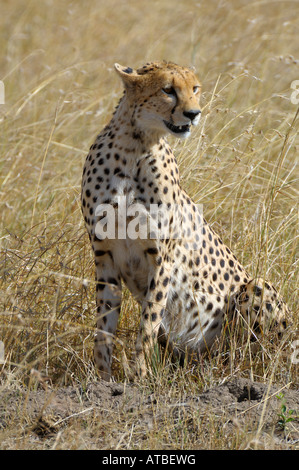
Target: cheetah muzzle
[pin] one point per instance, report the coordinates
(177, 129)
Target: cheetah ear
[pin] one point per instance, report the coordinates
(128, 75)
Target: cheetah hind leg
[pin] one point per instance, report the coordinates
(261, 308)
(175, 354)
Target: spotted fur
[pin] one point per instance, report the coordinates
(186, 285)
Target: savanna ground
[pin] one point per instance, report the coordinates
(56, 64)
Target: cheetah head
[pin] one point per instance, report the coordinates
(164, 96)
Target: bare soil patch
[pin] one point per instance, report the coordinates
(127, 416)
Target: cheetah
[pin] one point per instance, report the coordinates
(187, 281)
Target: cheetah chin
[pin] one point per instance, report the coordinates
(182, 131)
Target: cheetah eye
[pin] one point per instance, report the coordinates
(195, 89)
(169, 91)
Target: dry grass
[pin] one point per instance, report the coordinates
(56, 65)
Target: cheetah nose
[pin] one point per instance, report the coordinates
(192, 114)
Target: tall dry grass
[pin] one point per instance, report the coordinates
(60, 89)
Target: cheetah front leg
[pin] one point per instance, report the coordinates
(153, 308)
(108, 299)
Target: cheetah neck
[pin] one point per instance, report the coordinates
(133, 163)
(138, 139)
